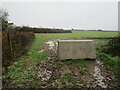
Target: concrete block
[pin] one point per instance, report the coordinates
(76, 49)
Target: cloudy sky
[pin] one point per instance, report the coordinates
(82, 15)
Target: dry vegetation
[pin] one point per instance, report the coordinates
(16, 46)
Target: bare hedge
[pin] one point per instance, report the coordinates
(15, 46)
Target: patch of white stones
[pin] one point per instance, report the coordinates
(44, 74)
(98, 77)
(51, 44)
(40, 51)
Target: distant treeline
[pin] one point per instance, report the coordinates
(41, 30)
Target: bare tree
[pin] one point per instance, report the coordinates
(4, 19)
(3, 14)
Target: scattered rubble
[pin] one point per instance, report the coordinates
(40, 51)
(51, 44)
(43, 70)
(96, 75)
(99, 78)
(50, 74)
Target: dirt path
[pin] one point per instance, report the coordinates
(83, 74)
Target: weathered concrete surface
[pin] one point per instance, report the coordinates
(76, 49)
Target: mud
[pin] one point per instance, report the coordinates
(100, 80)
(97, 75)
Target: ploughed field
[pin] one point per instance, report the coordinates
(40, 68)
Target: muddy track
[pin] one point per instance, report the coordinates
(53, 73)
(97, 75)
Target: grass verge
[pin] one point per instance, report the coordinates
(22, 71)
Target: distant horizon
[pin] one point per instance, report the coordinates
(67, 28)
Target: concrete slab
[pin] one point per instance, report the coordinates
(76, 49)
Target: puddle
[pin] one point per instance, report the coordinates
(100, 80)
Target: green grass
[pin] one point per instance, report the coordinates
(83, 72)
(79, 62)
(67, 78)
(78, 34)
(36, 46)
(24, 67)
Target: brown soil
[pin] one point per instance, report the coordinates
(82, 81)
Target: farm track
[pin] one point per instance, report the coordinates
(52, 72)
(97, 75)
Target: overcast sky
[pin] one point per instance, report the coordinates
(83, 15)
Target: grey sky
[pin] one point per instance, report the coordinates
(83, 15)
